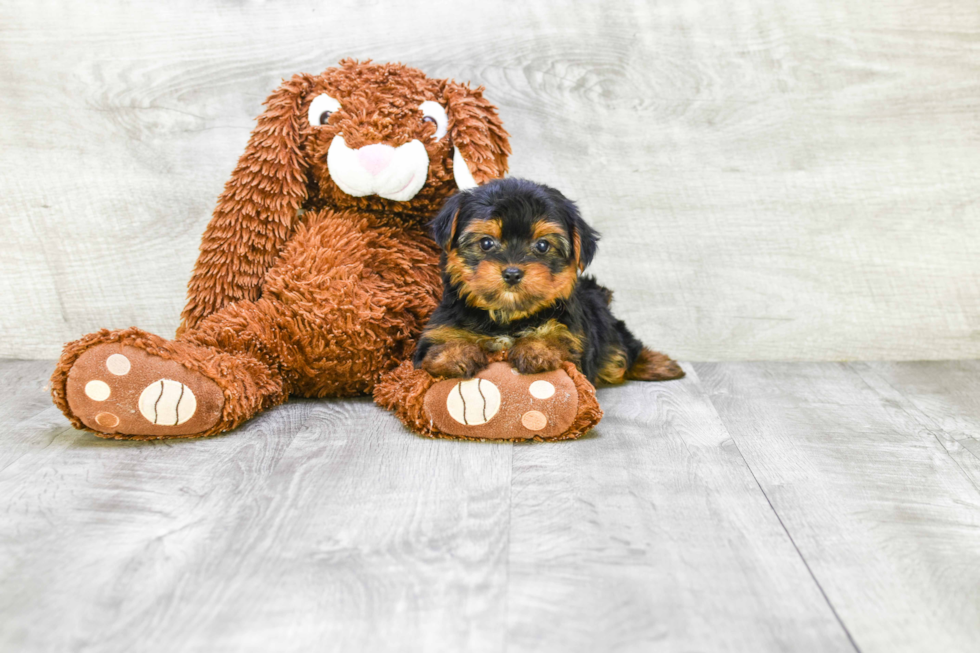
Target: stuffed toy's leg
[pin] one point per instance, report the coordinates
(497, 404)
(133, 384)
(247, 357)
(327, 324)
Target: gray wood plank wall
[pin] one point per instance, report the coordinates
(773, 180)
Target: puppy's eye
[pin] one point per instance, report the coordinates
(432, 112)
(486, 244)
(321, 108)
(542, 246)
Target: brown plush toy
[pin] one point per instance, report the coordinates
(496, 404)
(316, 273)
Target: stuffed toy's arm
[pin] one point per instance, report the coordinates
(257, 211)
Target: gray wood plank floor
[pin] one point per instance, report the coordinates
(749, 507)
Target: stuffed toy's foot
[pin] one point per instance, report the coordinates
(135, 385)
(116, 388)
(496, 404)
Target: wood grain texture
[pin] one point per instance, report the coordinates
(26, 409)
(399, 546)
(652, 534)
(885, 518)
(319, 526)
(943, 397)
(772, 181)
(102, 541)
(747, 508)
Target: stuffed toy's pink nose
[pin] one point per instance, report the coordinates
(375, 158)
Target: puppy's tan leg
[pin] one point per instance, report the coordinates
(544, 348)
(533, 355)
(454, 358)
(653, 366)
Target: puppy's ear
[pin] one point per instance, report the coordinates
(446, 223)
(480, 144)
(585, 239)
(256, 212)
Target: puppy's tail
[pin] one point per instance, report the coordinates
(653, 366)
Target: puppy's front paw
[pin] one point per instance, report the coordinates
(454, 359)
(534, 355)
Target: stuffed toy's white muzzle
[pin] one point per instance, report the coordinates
(394, 173)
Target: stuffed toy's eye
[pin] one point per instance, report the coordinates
(486, 244)
(434, 113)
(321, 108)
(542, 246)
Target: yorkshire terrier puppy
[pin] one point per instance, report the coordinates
(512, 256)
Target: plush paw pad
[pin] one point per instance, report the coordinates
(167, 402)
(500, 404)
(473, 402)
(120, 389)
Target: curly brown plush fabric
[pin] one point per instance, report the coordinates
(302, 288)
(284, 169)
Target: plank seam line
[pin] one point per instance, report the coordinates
(510, 521)
(922, 419)
(799, 553)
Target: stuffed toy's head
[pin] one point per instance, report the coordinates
(382, 138)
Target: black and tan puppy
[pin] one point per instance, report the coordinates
(512, 256)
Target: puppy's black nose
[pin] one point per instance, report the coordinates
(513, 275)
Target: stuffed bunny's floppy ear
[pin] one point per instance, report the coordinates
(480, 143)
(257, 211)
